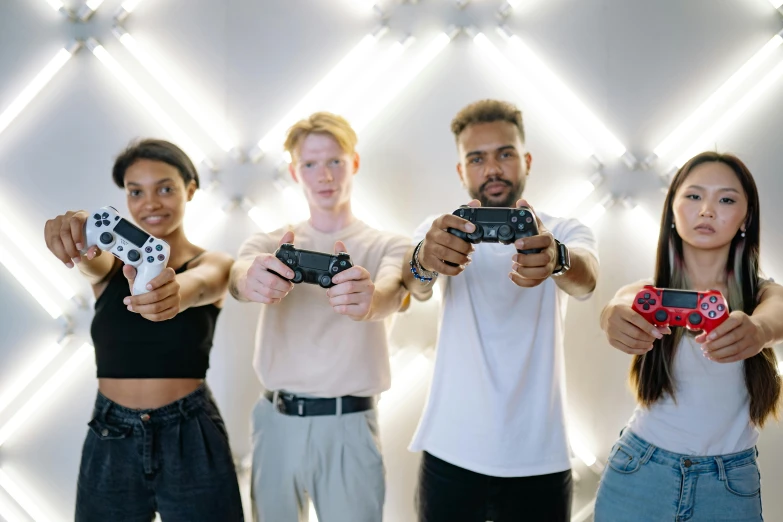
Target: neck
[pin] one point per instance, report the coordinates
(333, 219)
(706, 269)
(177, 241)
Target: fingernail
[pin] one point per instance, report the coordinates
(521, 243)
(711, 337)
(657, 334)
(69, 264)
(130, 308)
(149, 287)
(79, 246)
(290, 274)
(76, 260)
(470, 227)
(126, 301)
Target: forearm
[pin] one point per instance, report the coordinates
(95, 270)
(419, 290)
(768, 315)
(582, 277)
(387, 299)
(237, 279)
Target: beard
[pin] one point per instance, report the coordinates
(488, 201)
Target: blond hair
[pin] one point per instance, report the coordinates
(322, 123)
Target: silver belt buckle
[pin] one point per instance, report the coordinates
(300, 407)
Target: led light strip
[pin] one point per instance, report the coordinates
(776, 3)
(30, 506)
(565, 99)
(210, 124)
(718, 98)
(29, 283)
(38, 83)
(148, 103)
(517, 81)
(88, 9)
(44, 392)
(342, 72)
(31, 372)
(595, 213)
(734, 112)
(571, 197)
(586, 512)
(400, 81)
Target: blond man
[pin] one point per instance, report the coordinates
(321, 355)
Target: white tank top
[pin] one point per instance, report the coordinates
(711, 413)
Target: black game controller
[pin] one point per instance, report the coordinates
(311, 267)
(498, 225)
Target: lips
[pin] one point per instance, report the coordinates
(495, 188)
(155, 219)
(326, 193)
(705, 228)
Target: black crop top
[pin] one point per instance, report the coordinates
(127, 346)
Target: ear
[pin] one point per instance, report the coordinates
(292, 171)
(191, 189)
(461, 174)
(356, 163)
(528, 161)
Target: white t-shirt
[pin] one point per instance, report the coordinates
(496, 402)
(711, 415)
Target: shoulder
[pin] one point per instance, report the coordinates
(212, 258)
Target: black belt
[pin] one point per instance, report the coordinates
(289, 404)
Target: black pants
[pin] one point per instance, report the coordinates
(448, 493)
(174, 460)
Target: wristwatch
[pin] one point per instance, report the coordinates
(563, 259)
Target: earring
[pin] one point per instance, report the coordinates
(742, 234)
(672, 225)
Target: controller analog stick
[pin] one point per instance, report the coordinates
(694, 318)
(133, 255)
(298, 276)
(661, 316)
(106, 238)
(325, 281)
(505, 232)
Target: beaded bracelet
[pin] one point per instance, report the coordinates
(419, 272)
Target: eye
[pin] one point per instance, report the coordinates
(692, 196)
(336, 162)
(727, 200)
(134, 193)
(475, 159)
(166, 190)
(309, 164)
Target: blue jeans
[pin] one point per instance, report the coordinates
(174, 460)
(645, 483)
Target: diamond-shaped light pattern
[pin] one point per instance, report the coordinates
(375, 72)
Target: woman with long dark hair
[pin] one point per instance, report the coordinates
(688, 452)
(156, 441)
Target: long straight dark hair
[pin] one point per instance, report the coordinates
(651, 374)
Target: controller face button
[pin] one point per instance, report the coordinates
(148, 249)
(158, 247)
(704, 306)
(712, 314)
(514, 219)
(529, 219)
(521, 226)
(161, 257)
(721, 308)
(661, 316)
(133, 255)
(150, 259)
(335, 269)
(342, 263)
(695, 318)
(106, 238)
(289, 261)
(713, 299)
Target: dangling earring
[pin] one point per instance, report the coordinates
(742, 234)
(672, 225)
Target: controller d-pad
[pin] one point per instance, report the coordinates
(96, 217)
(661, 316)
(695, 318)
(133, 255)
(646, 306)
(647, 301)
(105, 215)
(98, 224)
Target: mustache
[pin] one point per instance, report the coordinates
(495, 180)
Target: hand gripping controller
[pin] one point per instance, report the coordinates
(312, 267)
(693, 310)
(130, 244)
(497, 225)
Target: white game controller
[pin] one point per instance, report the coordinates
(107, 230)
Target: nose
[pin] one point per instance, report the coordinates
(492, 168)
(326, 176)
(707, 210)
(151, 201)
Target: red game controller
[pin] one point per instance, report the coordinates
(693, 310)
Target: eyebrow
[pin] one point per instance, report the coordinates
(724, 189)
(161, 182)
(481, 153)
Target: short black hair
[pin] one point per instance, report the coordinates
(157, 150)
(487, 111)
